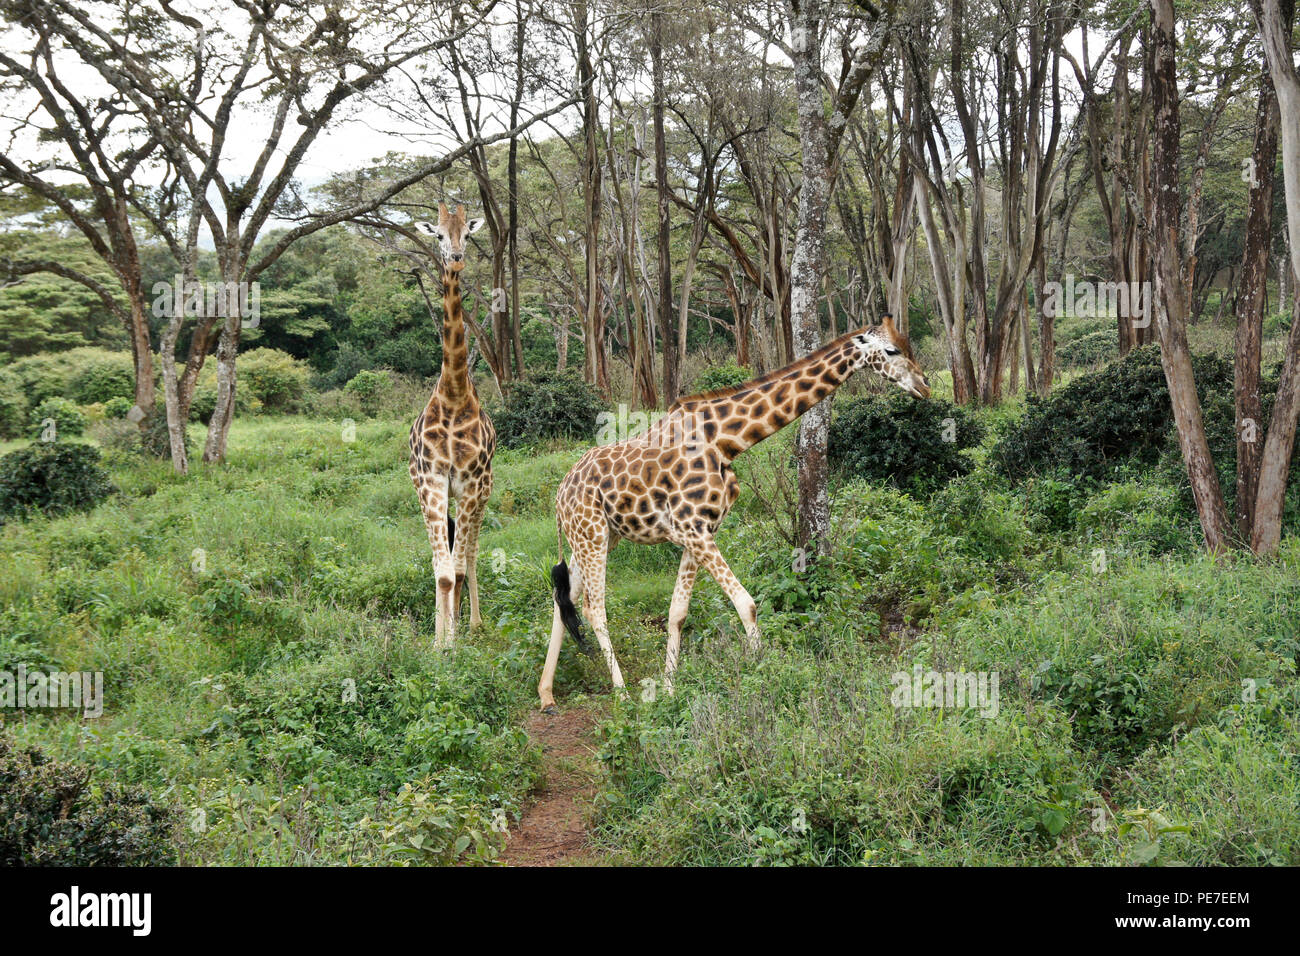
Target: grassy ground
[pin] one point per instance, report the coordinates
(265, 633)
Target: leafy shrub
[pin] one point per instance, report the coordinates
(53, 477)
(276, 379)
(99, 378)
(205, 396)
(50, 815)
(370, 387)
(428, 827)
(1092, 349)
(66, 416)
(86, 375)
(722, 376)
(13, 406)
(348, 361)
(547, 405)
(1237, 784)
(117, 407)
(1052, 505)
(156, 440)
(1118, 415)
(915, 444)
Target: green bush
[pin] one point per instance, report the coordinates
(13, 406)
(98, 378)
(51, 477)
(914, 444)
(1088, 350)
(51, 815)
(66, 416)
(276, 379)
(370, 388)
(1098, 422)
(547, 405)
(86, 375)
(117, 407)
(205, 395)
(722, 376)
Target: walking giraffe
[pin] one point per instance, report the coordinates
(452, 442)
(674, 483)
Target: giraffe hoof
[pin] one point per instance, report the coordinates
(551, 710)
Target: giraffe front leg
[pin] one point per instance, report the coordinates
(470, 509)
(677, 614)
(433, 500)
(706, 552)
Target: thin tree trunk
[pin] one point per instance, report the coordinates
(1171, 308)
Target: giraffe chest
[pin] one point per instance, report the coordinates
(456, 443)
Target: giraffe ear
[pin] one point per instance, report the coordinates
(428, 228)
(474, 225)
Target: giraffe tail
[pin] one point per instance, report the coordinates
(451, 532)
(565, 591)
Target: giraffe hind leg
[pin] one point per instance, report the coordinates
(565, 588)
(470, 508)
(677, 615)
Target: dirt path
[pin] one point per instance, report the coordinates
(552, 831)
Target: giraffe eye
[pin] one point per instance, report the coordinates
(890, 350)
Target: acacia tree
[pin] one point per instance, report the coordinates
(1170, 290)
(94, 177)
(1274, 18)
(190, 81)
(819, 144)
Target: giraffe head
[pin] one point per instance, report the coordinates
(451, 230)
(886, 351)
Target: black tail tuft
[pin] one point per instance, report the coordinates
(451, 532)
(568, 613)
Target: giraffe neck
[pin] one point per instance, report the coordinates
(741, 418)
(453, 383)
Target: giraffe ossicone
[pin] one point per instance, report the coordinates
(452, 443)
(674, 483)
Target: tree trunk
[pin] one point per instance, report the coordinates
(1274, 18)
(1170, 305)
(667, 334)
(595, 368)
(1251, 303)
(805, 275)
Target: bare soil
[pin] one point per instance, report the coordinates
(553, 830)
